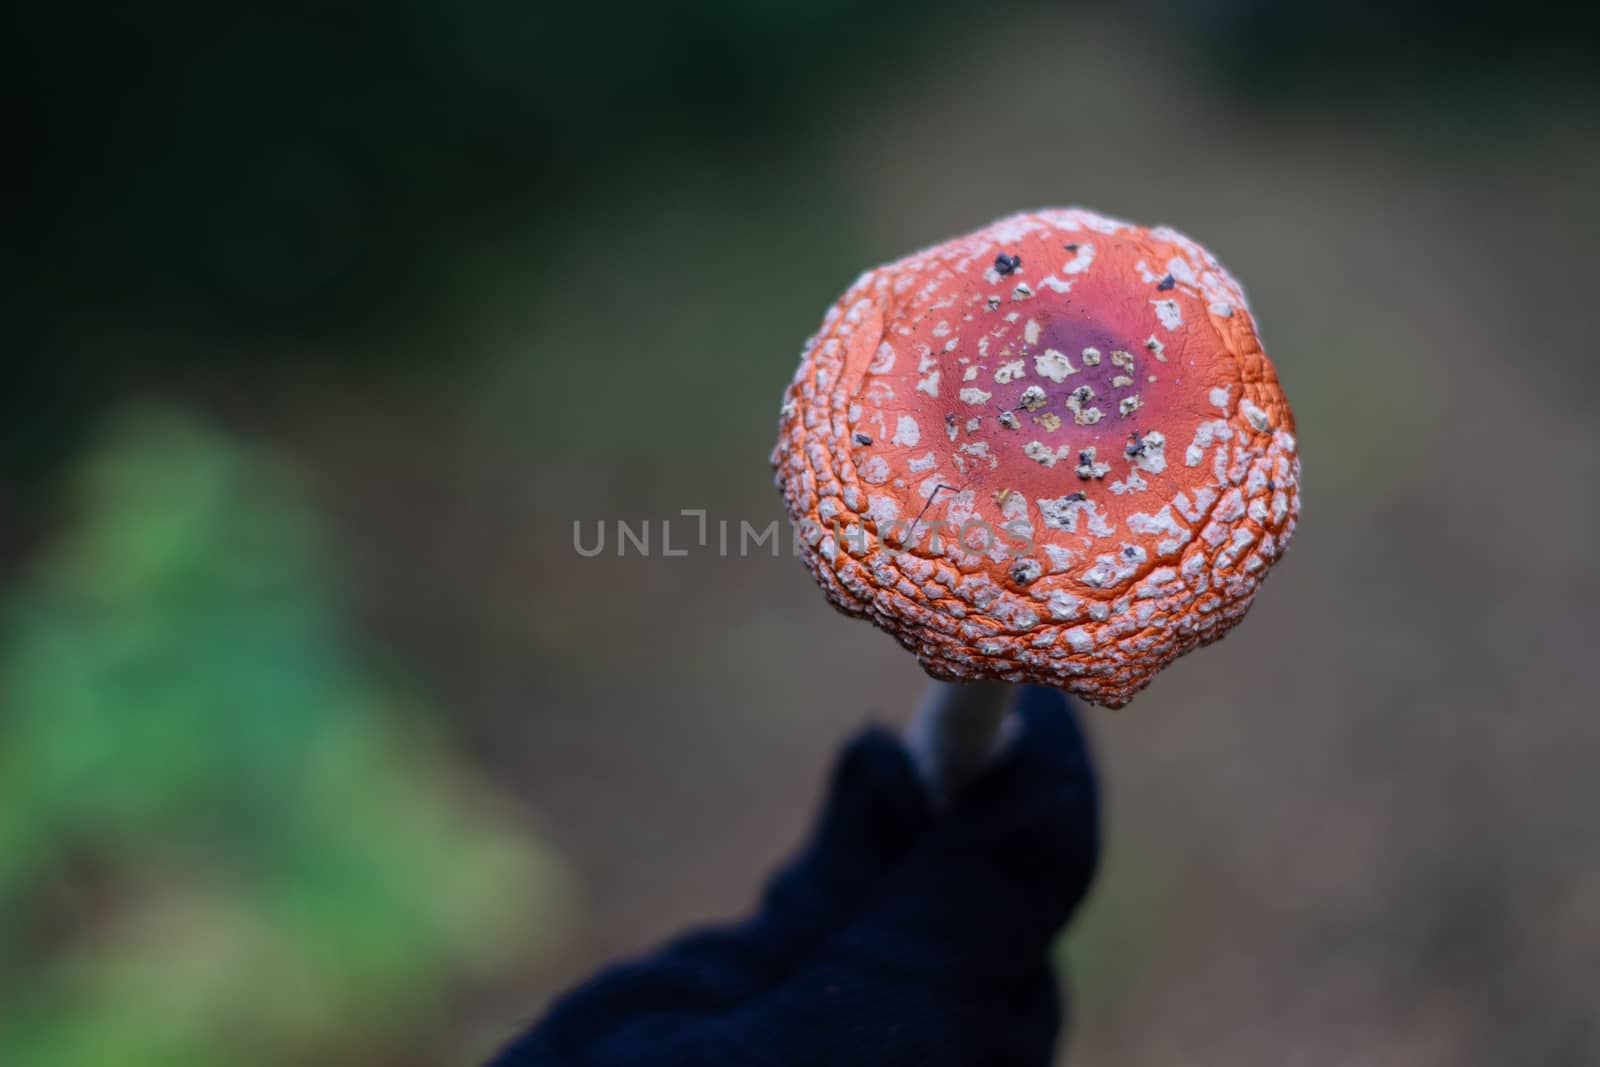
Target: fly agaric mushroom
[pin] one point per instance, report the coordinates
(1051, 451)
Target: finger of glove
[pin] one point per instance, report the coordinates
(998, 874)
(873, 812)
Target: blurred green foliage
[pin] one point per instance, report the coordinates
(222, 839)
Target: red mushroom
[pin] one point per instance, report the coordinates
(1050, 451)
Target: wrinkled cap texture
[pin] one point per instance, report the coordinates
(1050, 451)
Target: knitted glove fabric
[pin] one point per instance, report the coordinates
(899, 935)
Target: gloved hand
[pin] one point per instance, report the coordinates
(900, 935)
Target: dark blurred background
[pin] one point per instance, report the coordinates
(320, 743)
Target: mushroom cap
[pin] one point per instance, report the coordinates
(1050, 451)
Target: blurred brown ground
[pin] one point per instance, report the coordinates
(1360, 830)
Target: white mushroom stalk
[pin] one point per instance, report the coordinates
(958, 730)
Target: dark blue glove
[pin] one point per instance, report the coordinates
(899, 935)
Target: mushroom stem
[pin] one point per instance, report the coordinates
(957, 730)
